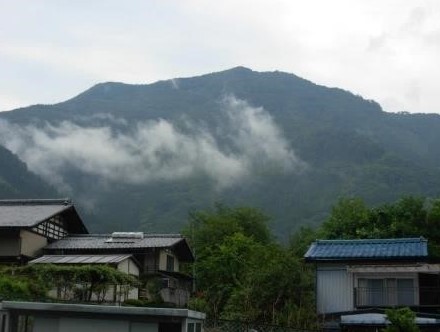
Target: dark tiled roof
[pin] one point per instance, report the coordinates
(380, 249)
(80, 259)
(105, 243)
(29, 212)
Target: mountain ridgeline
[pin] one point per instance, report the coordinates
(153, 153)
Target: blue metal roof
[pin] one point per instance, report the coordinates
(380, 249)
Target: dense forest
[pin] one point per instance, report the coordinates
(239, 137)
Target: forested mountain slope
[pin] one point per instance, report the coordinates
(17, 182)
(143, 156)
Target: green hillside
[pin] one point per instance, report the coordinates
(350, 147)
(17, 182)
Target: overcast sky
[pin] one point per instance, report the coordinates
(386, 50)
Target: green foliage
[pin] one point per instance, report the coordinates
(402, 320)
(16, 288)
(300, 241)
(147, 303)
(243, 274)
(17, 181)
(409, 216)
(73, 283)
(349, 218)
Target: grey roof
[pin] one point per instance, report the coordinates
(29, 212)
(379, 249)
(381, 319)
(105, 243)
(80, 259)
(92, 310)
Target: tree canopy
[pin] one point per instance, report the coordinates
(243, 273)
(409, 216)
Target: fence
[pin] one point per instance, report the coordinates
(238, 326)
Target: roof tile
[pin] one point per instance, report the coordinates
(326, 250)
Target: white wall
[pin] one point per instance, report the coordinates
(64, 324)
(31, 243)
(129, 267)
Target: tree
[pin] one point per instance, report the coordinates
(402, 320)
(409, 216)
(242, 273)
(349, 219)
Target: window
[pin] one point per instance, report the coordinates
(194, 327)
(170, 263)
(385, 292)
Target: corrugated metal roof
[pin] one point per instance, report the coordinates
(325, 250)
(105, 241)
(80, 259)
(28, 212)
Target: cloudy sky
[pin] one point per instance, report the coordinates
(386, 50)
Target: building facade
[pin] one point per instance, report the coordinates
(27, 226)
(354, 276)
(159, 256)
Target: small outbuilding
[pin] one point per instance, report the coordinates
(57, 317)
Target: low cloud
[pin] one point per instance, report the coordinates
(247, 139)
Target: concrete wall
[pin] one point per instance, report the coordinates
(64, 317)
(65, 324)
(31, 243)
(175, 295)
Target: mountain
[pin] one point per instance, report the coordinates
(16, 181)
(144, 156)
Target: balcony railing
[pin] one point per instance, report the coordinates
(397, 296)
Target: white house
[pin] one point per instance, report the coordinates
(357, 275)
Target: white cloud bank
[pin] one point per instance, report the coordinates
(156, 149)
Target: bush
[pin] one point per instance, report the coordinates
(402, 320)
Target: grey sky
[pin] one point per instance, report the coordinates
(386, 50)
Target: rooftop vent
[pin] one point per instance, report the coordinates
(127, 235)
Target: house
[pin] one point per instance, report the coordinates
(159, 255)
(27, 226)
(115, 293)
(30, 228)
(363, 277)
(61, 317)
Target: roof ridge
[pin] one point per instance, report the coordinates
(351, 241)
(149, 235)
(48, 201)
